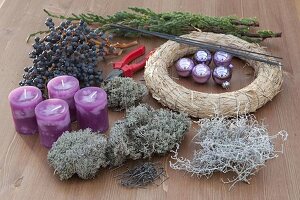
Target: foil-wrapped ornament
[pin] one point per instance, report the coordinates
(184, 66)
(201, 73)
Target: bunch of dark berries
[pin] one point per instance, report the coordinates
(68, 49)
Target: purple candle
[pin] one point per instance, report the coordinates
(184, 66)
(201, 73)
(203, 56)
(53, 118)
(222, 58)
(22, 101)
(64, 87)
(91, 106)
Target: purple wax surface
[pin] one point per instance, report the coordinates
(222, 74)
(53, 119)
(64, 87)
(92, 111)
(23, 101)
(184, 66)
(222, 58)
(203, 56)
(50, 134)
(201, 73)
(96, 121)
(26, 126)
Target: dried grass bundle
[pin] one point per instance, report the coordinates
(240, 145)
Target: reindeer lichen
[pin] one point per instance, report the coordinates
(79, 152)
(145, 132)
(124, 93)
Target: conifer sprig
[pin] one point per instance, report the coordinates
(176, 23)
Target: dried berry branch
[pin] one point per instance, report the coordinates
(239, 145)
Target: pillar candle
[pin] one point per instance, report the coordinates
(53, 118)
(91, 106)
(64, 87)
(22, 101)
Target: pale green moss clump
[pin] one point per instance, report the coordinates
(79, 152)
(142, 133)
(124, 92)
(145, 132)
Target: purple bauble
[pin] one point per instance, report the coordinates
(184, 66)
(201, 73)
(222, 58)
(222, 74)
(203, 56)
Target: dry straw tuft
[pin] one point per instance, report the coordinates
(266, 85)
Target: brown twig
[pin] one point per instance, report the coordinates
(124, 45)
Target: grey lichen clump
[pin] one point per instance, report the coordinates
(79, 152)
(145, 132)
(124, 92)
(240, 145)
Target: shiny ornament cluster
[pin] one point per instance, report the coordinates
(68, 49)
(198, 67)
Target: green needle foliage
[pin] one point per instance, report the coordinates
(176, 23)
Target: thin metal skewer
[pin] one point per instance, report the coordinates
(210, 46)
(209, 43)
(193, 40)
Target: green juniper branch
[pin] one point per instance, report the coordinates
(176, 23)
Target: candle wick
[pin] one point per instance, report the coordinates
(93, 94)
(57, 107)
(62, 82)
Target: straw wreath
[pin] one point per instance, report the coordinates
(265, 86)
